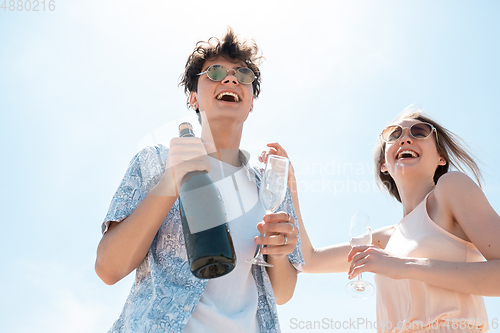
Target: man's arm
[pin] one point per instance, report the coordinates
(125, 244)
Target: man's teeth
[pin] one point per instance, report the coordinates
(407, 152)
(227, 93)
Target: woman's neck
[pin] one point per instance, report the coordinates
(413, 191)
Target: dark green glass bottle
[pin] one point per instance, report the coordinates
(210, 251)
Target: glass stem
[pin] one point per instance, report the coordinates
(258, 253)
(359, 277)
(264, 234)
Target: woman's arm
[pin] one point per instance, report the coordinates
(330, 259)
(465, 203)
(476, 278)
(459, 197)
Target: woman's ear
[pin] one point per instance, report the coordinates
(383, 168)
(442, 160)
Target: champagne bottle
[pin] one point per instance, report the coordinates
(210, 251)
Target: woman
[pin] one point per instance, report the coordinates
(429, 268)
(142, 230)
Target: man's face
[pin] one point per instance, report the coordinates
(225, 100)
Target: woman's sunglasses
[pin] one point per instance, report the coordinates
(218, 73)
(419, 131)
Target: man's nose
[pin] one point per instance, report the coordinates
(231, 78)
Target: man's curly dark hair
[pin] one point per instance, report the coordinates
(229, 46)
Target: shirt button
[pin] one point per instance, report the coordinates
(187, 307)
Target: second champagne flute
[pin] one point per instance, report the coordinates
(360, 233)
(271, 193)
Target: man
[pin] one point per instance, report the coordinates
(143, 231)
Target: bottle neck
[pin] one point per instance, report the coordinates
(186, 133)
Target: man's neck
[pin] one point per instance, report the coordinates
(226, 141)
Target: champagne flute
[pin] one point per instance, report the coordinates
(271, 193)
(360, 233)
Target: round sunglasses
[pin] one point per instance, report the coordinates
(419, 131)
(244, 75)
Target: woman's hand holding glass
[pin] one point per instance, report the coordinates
(375, 260)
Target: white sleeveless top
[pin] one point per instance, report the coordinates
(413, 306)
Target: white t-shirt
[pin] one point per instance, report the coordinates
(229, 303)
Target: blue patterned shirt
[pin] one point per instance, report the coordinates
(165, 292)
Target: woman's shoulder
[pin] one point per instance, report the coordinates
(455, 189)
(454, 182)
(381, 236)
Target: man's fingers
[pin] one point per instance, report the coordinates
(278, 217)
(280, 227)
(278, 240)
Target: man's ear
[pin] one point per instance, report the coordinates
(193, 100)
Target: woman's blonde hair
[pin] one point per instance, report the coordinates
(448, 145)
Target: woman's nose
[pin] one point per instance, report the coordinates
(406, 138)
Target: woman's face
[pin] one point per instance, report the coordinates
(410, 157)
(225, 100)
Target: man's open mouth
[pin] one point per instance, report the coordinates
(227, 97)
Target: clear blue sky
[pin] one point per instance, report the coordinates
(83, 85)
